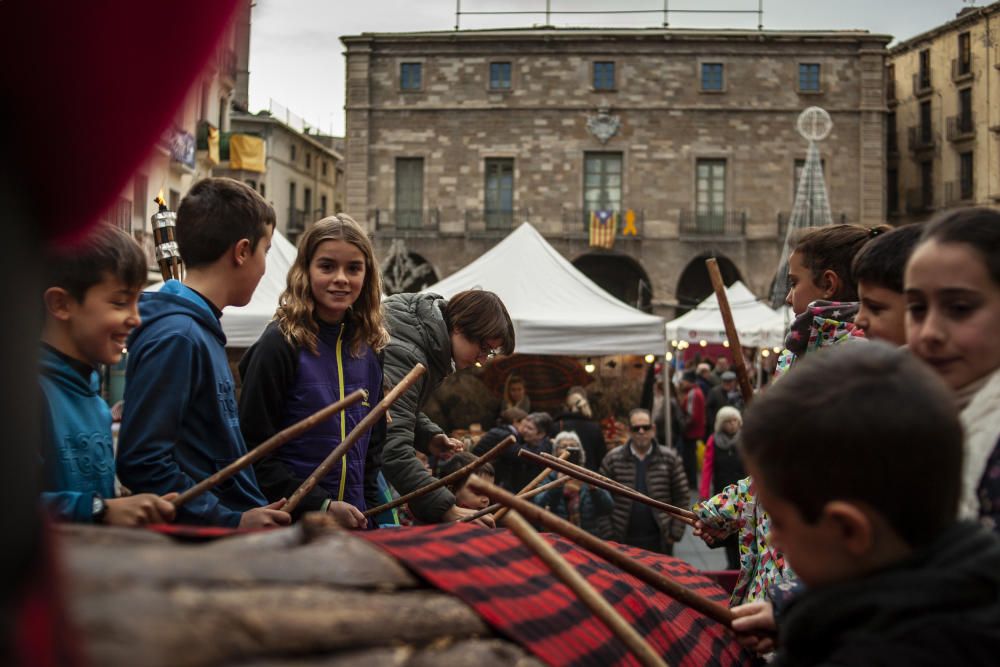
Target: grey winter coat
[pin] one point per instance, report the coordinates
(665, 480)
(418, 333)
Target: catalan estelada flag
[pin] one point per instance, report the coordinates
(603, 225)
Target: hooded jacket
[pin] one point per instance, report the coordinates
(418, 334)
(941, 606)
(77, 455)
(180, 421)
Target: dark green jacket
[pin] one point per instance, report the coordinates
(418, 334)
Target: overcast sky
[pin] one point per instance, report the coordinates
(296, 57)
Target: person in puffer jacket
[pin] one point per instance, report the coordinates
(444, 335)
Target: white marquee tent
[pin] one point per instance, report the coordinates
(556, 309)
(244, 325)
(756, 323)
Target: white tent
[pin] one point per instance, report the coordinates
(244, 325)
(555, 308)
(756, 323)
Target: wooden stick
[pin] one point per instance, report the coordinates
(687, 516)
(582, 589)
(660, 582)
(268, 446)
(525, 494)
(464, 471)
(530, 485)
(734, 338)
(589, 472)
(340, 450)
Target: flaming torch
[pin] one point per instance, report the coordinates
(168, 256)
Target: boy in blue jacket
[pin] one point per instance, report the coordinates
(91, 295)
(180, 421)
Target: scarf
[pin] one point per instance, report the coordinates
(724, 441)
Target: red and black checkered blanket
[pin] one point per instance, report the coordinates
(520, 598)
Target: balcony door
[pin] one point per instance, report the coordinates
(409, 192)
(602, 184)
(710, 203)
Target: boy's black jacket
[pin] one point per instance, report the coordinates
(939, 607)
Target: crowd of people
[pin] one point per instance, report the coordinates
(836, 491)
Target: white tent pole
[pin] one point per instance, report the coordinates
(668, 394)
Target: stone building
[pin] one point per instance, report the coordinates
(943, 124)
(686, 137)
(303, 175)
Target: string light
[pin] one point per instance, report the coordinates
(650, 358)
(589, 366)
(725, 343)
(777, 350)
(670, 356)
(765, 353)
(703, 343)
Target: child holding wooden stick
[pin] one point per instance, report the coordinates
(91, 305)
(180, 421)
(822, 291)
(322, 345)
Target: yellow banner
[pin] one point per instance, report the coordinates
(246, 152)
(213, 145)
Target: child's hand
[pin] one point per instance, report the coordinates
(347, 515)
(267, 516)
(443, 447)
(710, 535)
(456, 513)
(755, 627)
(139, 510)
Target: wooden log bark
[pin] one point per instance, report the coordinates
(188, 626)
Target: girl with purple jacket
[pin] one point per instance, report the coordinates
(322, 345)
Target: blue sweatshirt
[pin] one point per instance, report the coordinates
(180, 420)
(77, 455)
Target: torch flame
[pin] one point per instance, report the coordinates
(160, 200)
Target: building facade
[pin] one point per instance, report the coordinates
(685, 139)
(943, 123)
(302, 174)
(180, 157)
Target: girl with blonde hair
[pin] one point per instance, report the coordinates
(322, 345)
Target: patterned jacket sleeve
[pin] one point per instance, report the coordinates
(724, 510)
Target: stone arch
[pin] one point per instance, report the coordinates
(405, 271)
(620, 275)
(694, 284)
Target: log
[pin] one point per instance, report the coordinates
(524, 494)
(269, 446)
(687, 516)
(364, 425)
(595, 545)
(530, 485)
(464, 471)
(731, 334)
(441, 653)
(189, 626)
(583, 590)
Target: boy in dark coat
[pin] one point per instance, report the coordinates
(892, 578)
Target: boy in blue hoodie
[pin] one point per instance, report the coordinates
(180, 421)
(91, 295)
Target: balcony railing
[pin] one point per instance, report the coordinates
(921, 138)
(722, 223)
(922, 84)
(919, 200)
(961, 127)
(407, 219)
(961, 69)
(490, 220)
(626, 218)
